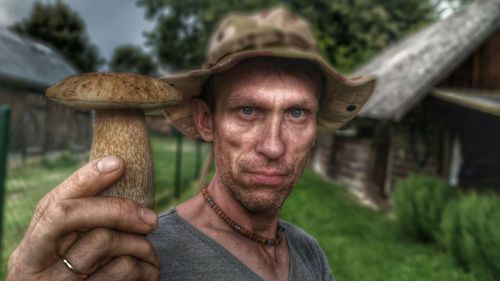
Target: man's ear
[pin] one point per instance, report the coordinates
(203, 119)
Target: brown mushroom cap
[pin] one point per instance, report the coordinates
(113, 90)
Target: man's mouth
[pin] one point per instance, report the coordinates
(268, 177)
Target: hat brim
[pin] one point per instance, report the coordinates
(341, 100)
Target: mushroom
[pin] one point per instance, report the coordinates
(119, 101)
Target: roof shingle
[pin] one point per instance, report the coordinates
(27, 61)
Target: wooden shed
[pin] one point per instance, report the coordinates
(435, 110)
(27, 68)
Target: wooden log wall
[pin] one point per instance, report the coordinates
(350, 164)
(38, 126)
(322, 154)
(416, 147)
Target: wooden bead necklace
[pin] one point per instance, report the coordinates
(241, 230)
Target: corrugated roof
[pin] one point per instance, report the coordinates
(27, 61)
(408, 70)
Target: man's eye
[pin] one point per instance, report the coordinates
(296, 113)
(247, 110)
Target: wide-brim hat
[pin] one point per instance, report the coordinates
(268, 33)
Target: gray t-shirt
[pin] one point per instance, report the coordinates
(186, 253)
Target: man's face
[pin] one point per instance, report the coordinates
(264, 129)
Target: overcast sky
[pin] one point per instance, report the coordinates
(110, 23)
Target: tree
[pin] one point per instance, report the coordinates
(128, 58)
(447, 7)
(348, 31)
(63, 28)
(183, 27)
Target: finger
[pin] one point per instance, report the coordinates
(57, 272)
(35, 248)
(89, 180)
(40, 246)
(101, 245)
(65, 242)
(87, 213)
(126, 268)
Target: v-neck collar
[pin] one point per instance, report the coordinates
(227, 254)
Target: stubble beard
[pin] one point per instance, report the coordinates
(256, 204)
(250, 195)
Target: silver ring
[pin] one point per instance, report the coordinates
(80, 274)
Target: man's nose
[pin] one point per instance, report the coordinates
(271, 143)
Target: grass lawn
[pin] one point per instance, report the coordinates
(362, 244)
(26, 185)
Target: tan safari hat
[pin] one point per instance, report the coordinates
(268, 33)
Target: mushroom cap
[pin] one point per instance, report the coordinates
(113, 90)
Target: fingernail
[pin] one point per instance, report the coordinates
(148, 216)
(108, 164)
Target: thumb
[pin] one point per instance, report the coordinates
(91, 179)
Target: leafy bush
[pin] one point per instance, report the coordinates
(471, 233)
(419, 204)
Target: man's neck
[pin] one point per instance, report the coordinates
(264, 224)
(269, 262)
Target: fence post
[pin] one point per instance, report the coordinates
(178, 165)
(4, 142)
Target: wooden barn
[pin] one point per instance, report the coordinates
(27, 68)
(435, 110)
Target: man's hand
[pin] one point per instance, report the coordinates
(101, 237)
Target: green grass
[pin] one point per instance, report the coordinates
(164, 166)
(362, 244)
(26, 185)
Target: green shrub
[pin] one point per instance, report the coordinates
(471, 233)
(419, 204)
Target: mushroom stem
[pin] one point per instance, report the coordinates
(122, 132)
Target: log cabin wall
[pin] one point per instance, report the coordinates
(350, 162)
(322, 154)
(417, 145)
(381, 154)
(38, 126)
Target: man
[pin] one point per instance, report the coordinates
(261, 97)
